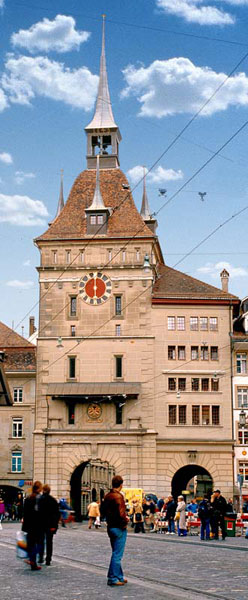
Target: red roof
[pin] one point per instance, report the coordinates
(174, 284)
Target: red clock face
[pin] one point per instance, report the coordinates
(95, 288)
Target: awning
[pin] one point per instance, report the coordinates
(82, 391)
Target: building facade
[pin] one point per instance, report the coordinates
(240, 401)
(133, 357)
(17, 415)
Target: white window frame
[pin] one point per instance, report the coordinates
(17, 427)
(213, 323)
(242, 395)
(194, 323)
(171, 323)
(16, 461)
(181, 323)
(241, 363)
(18, 395)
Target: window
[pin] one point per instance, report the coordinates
(16, 461)
(172, 383)
(171, 352)
(118, 305)
(68, 256)
(213, 323)
(203, 323)
(242, 397)
(171, 323)
(71, 413)
(182, 384)
(215, 415)
(194, 353)
(117, 330)
(93, 220)
(195, 415)
(123, 255)
(182, 411)
(243, 436)
(204, 352)
(243, 470)
(100, 220)
(73, 306)
(18, 395)
(195, 384)
(17, 427)
(205, 385)
(215, 384)
(172, 414)
(241, 363)
(72, 367)
(118, 413)
(137, 254)
(214, 353)
(73, 330)
(118, 366)
(55, 256)
(110, 254)
(82, 256)
(194, 323)
(205, 415)
(181, 353)
(181, 323)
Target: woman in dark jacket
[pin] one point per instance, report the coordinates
(32, 524)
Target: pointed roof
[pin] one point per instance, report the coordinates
(97, 203)
(10, 339)
(61, 196)
(145, 209)
(103, 116)
(175, 285)
(125, 220)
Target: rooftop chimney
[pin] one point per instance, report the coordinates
(32, 327)
(224, 276)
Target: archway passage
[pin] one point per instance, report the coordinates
(202, 485)
(13, 500)
(90, 481)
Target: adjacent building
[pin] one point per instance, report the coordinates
(17, 413)
(133, 356)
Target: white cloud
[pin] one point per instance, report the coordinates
(1, 3)
(202, 12)
(27, 77)
(214, 270)
(23, 285)
(3, 100)
(21, 176)
(22, 210)
(59, 35)
(6, 158)
(158, 175)
(174, 86)
(27, 263)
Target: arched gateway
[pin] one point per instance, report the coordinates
(90, 481)
(203, 484)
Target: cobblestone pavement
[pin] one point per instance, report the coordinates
(157, 566)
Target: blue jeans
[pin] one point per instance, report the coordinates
(171, 525)
(205, 525)
(117, 540)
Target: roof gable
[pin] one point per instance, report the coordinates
(177, 285)
(10, 339)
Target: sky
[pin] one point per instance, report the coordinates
(165, 59)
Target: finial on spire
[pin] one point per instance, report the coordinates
(145, 210)
(97, 203)
(61, 195)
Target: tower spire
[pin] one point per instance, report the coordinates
(61, 195)
(102, 132)
(145, 210)
(97, 203)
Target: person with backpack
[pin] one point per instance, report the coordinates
(204, 514)
(138, 519)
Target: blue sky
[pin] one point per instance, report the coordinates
(165, 58)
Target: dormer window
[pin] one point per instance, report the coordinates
(93, 219)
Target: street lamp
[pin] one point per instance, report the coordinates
(242, 417)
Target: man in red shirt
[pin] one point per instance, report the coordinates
(115, 512)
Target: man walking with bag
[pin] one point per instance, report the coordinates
(49, 514)
(114, 510)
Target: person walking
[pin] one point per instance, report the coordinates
(93, 513)
(204, 513)
(170, 515)
(49, 514)
(2, 511)
(32, 524)
(181, 508)
(115, 512)
(219, 505)
(138, 519)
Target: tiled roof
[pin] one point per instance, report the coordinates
(174, 284)
(20, 359)
(11, 339)
(124, 222)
